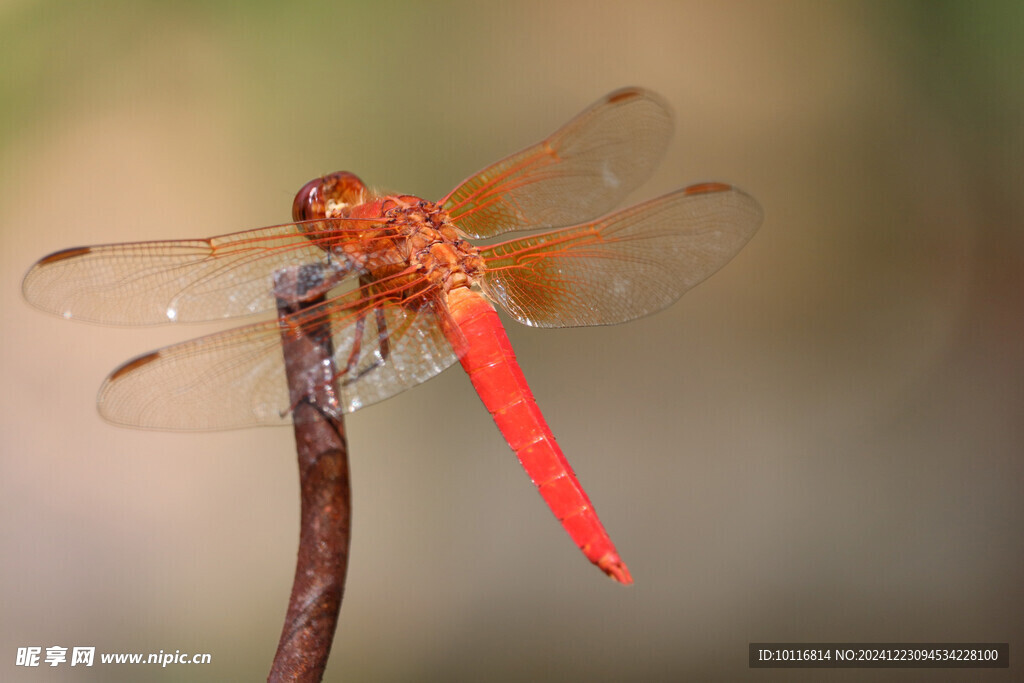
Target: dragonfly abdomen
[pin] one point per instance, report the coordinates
(486, 355)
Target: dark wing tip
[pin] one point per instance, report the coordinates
(132, 364)
(708, 188)
(624, 94)
(62, 255)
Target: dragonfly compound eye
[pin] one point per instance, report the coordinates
(328, 197)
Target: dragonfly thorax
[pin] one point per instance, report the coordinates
(434, 247)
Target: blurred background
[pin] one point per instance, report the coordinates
(821, 443)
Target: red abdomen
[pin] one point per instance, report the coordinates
(487, 357)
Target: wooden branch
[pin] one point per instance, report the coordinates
(324, 479)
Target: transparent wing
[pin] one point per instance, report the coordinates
(582, 171)
(145, 283)
(237, 378)
(625, 265)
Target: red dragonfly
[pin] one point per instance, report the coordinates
(407, 295)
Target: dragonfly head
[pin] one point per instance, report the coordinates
(328, 197)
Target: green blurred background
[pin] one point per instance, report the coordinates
(822, 443)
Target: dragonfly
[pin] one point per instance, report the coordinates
(405, 294)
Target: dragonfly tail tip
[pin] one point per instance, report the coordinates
(613, 566)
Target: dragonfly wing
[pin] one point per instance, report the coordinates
(580, 172)
(625, 265)
(220, 381)
(237, 378)
(145, 283)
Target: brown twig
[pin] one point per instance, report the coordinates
(324, 479)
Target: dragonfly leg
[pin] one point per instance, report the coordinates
(382, 343)
(357, 345)
(382, 335)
